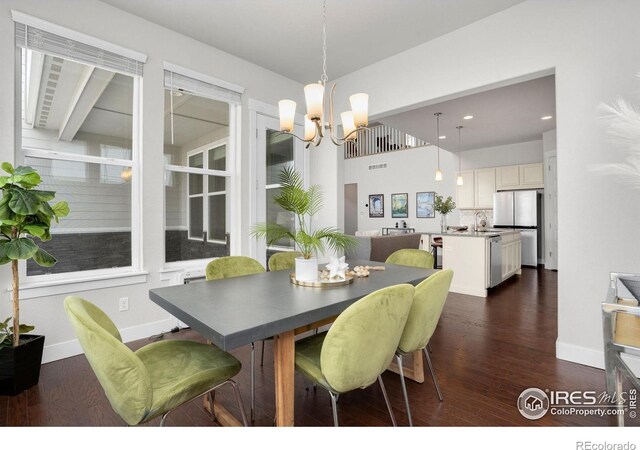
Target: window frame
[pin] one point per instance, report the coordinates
(204, 150)
(120, 275)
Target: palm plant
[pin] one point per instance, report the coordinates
(304, 204)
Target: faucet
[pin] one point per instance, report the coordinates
(475, 220)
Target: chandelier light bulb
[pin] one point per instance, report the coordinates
(309, 128)
(360, 108)
(314, 95)
(287, 114)
(348, 124)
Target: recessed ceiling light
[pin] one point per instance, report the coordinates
(442, 137)
(546, 117)
(468, 117)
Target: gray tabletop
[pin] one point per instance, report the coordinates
(237, 311)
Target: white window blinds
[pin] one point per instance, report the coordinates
(33, 38)
(212, 88)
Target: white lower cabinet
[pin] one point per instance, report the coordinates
(511, 254)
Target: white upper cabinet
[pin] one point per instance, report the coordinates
(485, 186)
(507, 177)
(465, 194)
(532, 175)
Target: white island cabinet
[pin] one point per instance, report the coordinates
(468, 254)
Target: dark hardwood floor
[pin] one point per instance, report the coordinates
(485, 352)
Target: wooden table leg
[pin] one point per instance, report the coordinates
(284, 368)
(414, 371)
(222, 415)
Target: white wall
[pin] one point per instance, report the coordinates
(592, 47)
(105, 22)
(407, 171)
(502, 155)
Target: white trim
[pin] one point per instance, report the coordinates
(580, 355)
(45, 288)
(468, 291)
(68, 33)
(202, 77)
(197, 170)
(58, 230)
(67, 349)
(55, 155)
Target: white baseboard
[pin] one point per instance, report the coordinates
(581, 355)
(468, 291)
(590, 357)
(67, 349)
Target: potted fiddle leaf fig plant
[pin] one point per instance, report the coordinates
(25, 214)
(304, 204)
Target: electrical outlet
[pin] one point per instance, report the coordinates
(124, 304)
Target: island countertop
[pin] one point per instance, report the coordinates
(479, 234)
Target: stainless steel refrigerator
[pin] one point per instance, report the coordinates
(521, 210)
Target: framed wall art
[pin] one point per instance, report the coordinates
(400, 205)
(376, 205)
(424, 205)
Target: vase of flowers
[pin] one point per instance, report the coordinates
(444, 207)
(304, 204)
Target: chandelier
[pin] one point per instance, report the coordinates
(352, 121)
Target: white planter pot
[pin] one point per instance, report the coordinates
(307, 269)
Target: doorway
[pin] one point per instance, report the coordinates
(350, 208)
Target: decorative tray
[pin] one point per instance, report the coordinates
(321, 284)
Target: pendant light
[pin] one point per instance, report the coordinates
(438, 171)
(459, 181)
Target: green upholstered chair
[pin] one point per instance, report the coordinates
(231, 267)
(359, 346)
(283, 261)
(428, 303)
(411, 257)
(154, 380)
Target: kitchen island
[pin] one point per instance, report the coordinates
(469, 255)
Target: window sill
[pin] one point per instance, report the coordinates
(68, 286)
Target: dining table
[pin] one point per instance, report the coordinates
(235, 312)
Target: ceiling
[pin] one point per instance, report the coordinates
(285, 36)
(501, 116)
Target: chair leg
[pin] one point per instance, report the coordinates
(164, 416)
(239, 400)
(262, 355)
(334, 406)
(404, 389)
(253, 382)
(433, 374)
(386, 399)
(429, 347)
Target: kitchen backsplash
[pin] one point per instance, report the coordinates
(468, 217)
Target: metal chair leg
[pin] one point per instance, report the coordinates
(334, 406)
(239, 400)
(164, 416)
(404, 389)
(386, 399)
(253, 382)
(433, 374)
(429, 347)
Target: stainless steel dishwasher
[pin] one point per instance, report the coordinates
(495, 247)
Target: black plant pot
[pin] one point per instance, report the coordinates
(20, 366)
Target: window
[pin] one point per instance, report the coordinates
(199, 173)
(79, 130)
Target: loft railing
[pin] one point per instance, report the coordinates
(380, 139)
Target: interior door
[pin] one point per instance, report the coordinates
(350, 208)
(275, 151)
